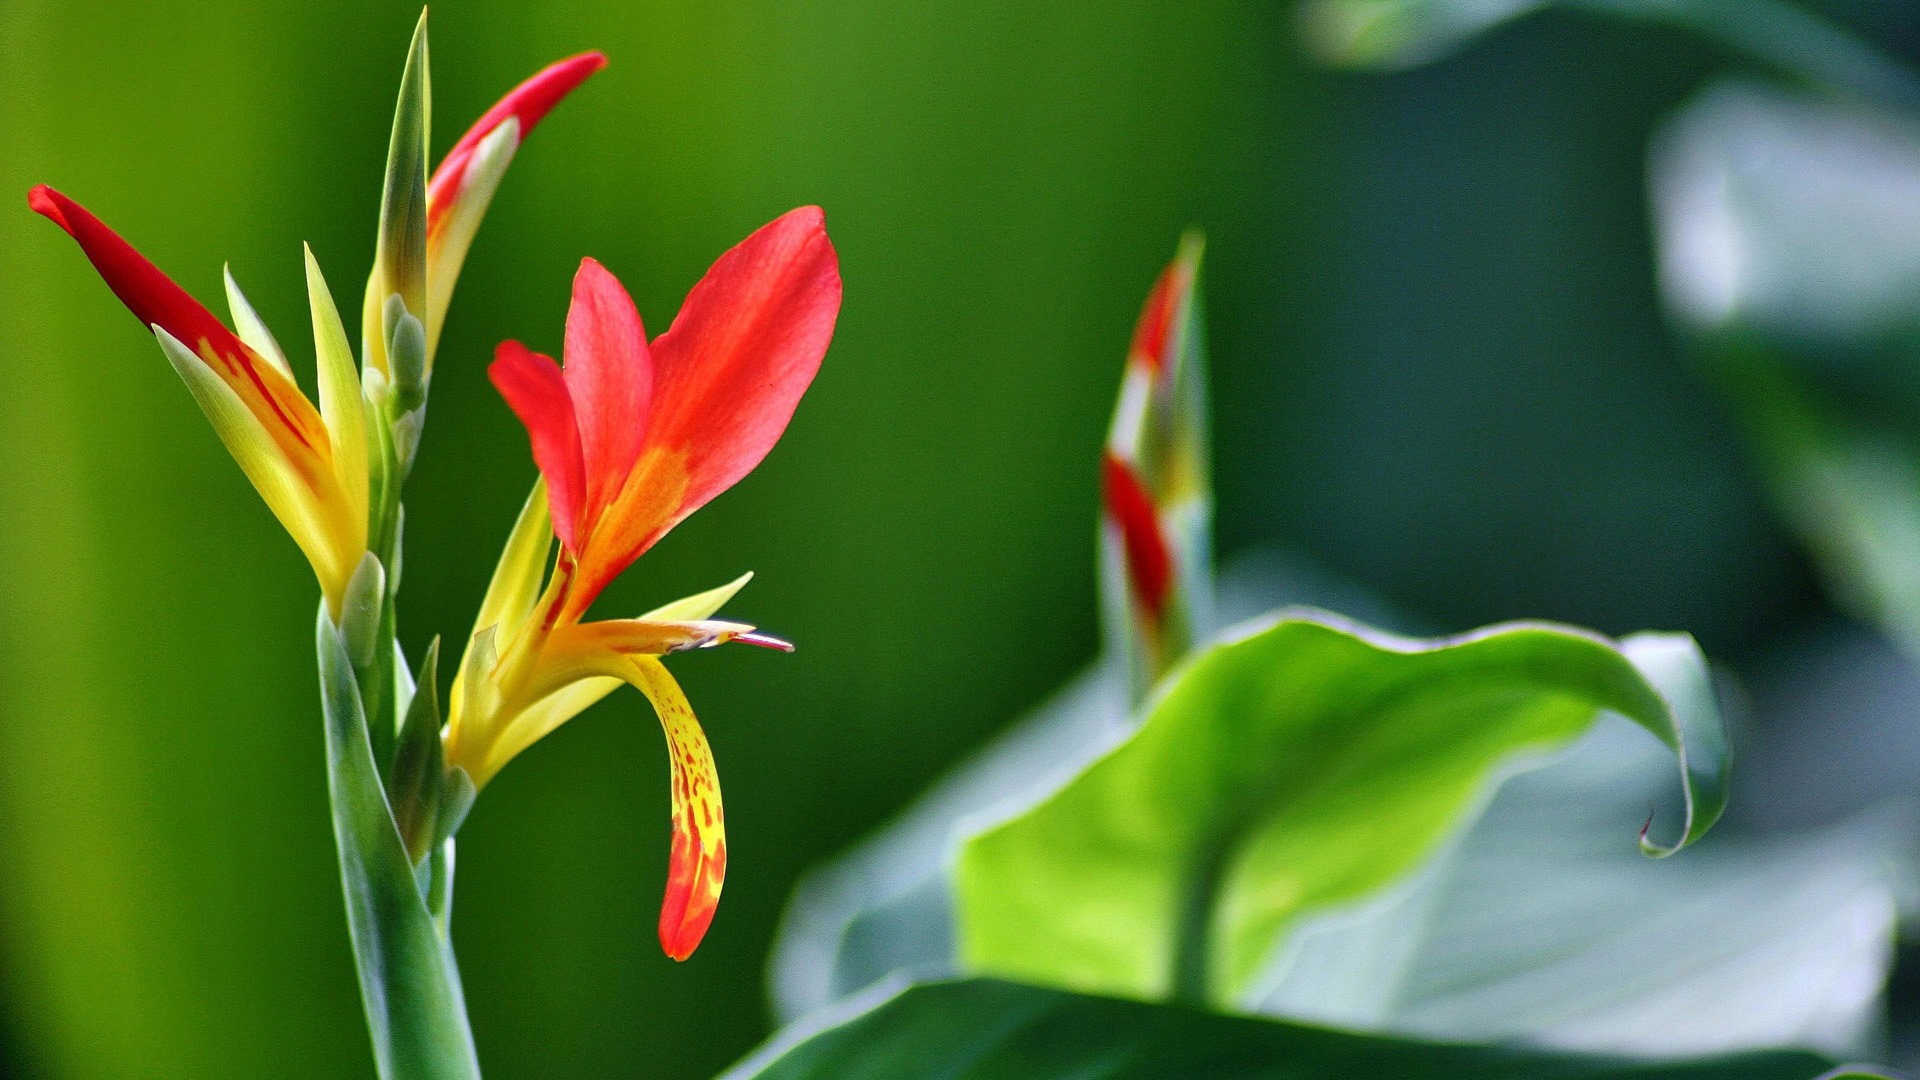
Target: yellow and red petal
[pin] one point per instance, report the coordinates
(609, 375)
(697, 860)
(526, 104)
(462, 188)
(728, 375)
(536, 391)
(268, 393)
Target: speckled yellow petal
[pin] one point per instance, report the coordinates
(697, 862)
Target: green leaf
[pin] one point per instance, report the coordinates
(885, 907)
(987, 1030)
(409, 983)
(1298, 767)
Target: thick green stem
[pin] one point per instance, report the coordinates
(1193, 947)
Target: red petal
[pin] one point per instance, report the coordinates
(693, 891)
(727, 377)
(1156, 318)
(609, 374)
(155, 300)
(1149, 560)
(537, 394)
(529, 102)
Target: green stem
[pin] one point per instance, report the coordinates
(409, 982)
(1193, 945)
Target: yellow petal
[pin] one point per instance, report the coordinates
(251, 329)
(523, 565)
(576, 652)
(311, 508)
(340, 402)
(700, 605)
(535, 723)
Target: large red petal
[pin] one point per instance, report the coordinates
(537, 393)
(727, 376)
(609, 374)
(529, 103)
(155, 300)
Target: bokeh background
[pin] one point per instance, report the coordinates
(1440, 365)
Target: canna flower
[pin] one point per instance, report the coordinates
(630, 438)
(1156, 495)
(311, 465)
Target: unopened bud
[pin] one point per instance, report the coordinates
(406, 355)
(360, 611)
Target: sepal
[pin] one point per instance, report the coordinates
(429, 800)
(400, 252)
(360, 613)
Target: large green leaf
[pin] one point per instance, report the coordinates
(987, 1030)
(1300, 766)
(409, 983)
(884, 908)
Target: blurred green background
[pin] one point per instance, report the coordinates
(1440, 369)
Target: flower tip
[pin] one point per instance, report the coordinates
(764, 641)
(45, 201)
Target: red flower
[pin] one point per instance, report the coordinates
(631, 437)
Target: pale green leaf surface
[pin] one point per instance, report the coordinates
(988, 1030)
(1539, 925)
(1303, 765)
(408, 979)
